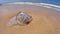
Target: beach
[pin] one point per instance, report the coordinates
(45, 20)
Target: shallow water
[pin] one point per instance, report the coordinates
(54, 2)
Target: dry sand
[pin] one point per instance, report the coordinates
(45, 21)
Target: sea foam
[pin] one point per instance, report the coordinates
(56, 7)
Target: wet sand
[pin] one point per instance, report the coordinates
(45, 21)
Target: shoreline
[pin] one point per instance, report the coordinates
(51, 6)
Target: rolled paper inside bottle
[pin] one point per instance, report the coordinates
(23, 18)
